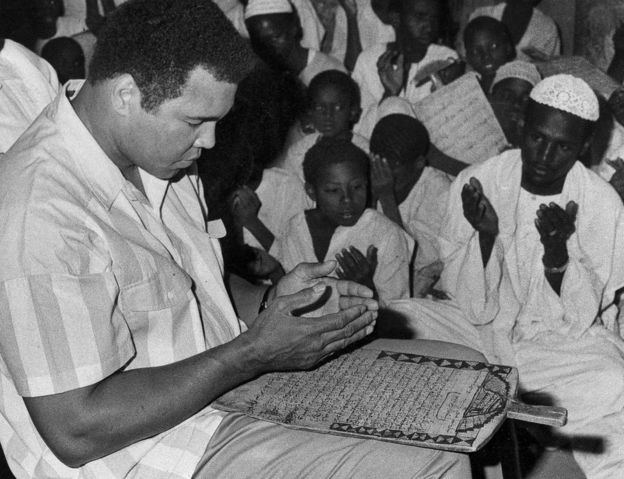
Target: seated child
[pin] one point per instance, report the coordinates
(509, 96)
(370, 249)
(410, 193)
(333, 109)
(275, 34)
(488, 47)
(535, 35)
(396, 68)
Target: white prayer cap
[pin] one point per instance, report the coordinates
(267, 7)
(569, 94)
(518, 69)
(393, 105)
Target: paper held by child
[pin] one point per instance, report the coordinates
(411, 399)
(583, 69)
(461, 121)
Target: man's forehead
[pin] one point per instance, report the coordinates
(203, 92)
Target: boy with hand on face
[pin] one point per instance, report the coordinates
(409, 192)
(370, 249)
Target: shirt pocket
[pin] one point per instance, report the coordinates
(160, 290)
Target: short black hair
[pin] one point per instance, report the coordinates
(331, 151)
(400, 137)
(53, 49)
(159, 42)
(337, 79)
(484, 22)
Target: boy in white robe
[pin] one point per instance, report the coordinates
(538, 40)
(396, 69)
(370, 249)
(409, 192)
(532, 247)
(333, 109)
(275, 33)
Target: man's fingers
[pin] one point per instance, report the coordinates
(311, 271)
(355, 329)
(346, 302)
(353, 289)
(305, 297)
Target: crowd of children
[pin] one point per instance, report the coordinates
(351, 180)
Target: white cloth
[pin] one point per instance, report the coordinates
(614, 151)
(319, 62)
(27, 85)
(510, 312)
(366, 76)
(393, 256)
(293, 159)
(235, 13)
(313, 31)
(371, 29)
(282, 196)
(422, 213)
(541, 33)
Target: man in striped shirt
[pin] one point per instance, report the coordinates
(117, 330)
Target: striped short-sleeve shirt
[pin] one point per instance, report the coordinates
(97, 277)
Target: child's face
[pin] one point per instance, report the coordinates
(331, 112)
(419, 22)
(273, 37)
(486, 52)
(340, 193)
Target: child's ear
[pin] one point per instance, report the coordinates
(354, 115)
(310, 191)
(421, 162)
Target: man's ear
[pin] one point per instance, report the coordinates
(310, 191)
(125, 94)
(587, 145)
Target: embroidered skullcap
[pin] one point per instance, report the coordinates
(267, 7)
(569, 94)
(399, 137)
(518, 69)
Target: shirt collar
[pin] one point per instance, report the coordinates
(95, 167)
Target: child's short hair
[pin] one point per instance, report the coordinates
(337, 79)
(490, 24)
(331, 151)
(400, 137)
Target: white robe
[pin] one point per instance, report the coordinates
(27, 85)
(319, 62)
(565, 346)
(293, 159)
(541, 33)
(394, 247)
(422, 213)
(371, 29)
(282, 196)
(366, 76)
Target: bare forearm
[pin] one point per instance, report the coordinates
(616, 68)
(261, 233)
(133, 405)
(390, 208)
(354, 46)
(486, 243)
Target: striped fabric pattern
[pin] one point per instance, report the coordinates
(97, 278)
